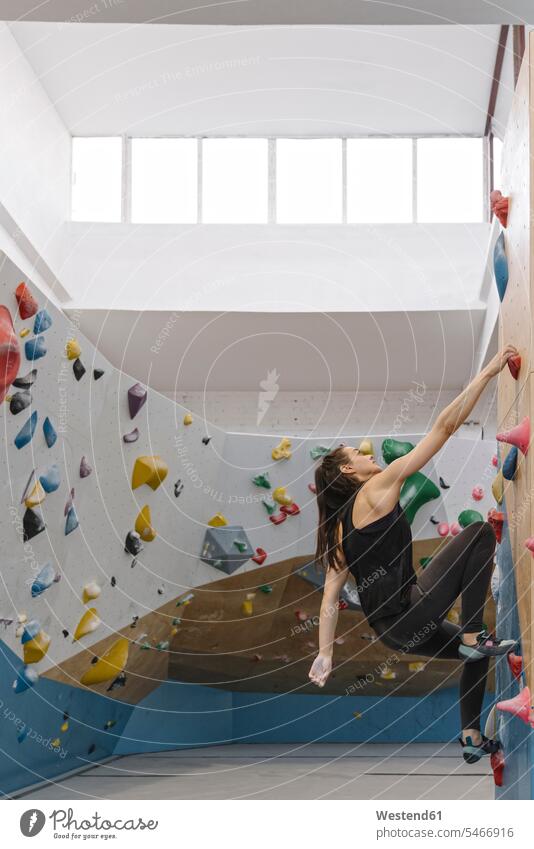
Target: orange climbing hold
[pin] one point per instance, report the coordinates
(520, 706)
(518, 435)
(496, 520)
(9, 352)
(499, 206)
(514, 364)
(497, 765)
(515, 662)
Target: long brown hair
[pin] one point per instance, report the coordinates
(334, 489)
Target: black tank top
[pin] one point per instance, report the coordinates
(380, 558)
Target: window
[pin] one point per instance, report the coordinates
(497, 162)
(234, 181)
(379, 180)
(96, 179)
(449, 180)
(164, 180)
(309, 181)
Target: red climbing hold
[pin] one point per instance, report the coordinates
(278, 518)
(529, 543)
(514, 364)
(495, 460)
(477, 493)
(497, 765)
(28, 306)
(290, 509)
(515, 662)
(496, 519)
(518, 435)
(499, 206)
(9, 352)
(260, 556)
(520, 706)
(342, 604)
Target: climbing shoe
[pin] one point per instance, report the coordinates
(487, 645)
(473, 753)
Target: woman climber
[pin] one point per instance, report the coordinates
(363, 530)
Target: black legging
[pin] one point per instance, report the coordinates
(463, 567)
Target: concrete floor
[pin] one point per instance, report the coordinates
(289, 771)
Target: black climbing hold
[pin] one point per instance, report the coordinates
(133, 563)
(32, 524)
(65, 632)
(113, 581)
(434, 520)
(95, 659)
(119, 681)
(97, 373)
(19, 402)
(134, 622)
(91, 749)
(443, 485)
(78, 369)
(206, 440)
(26, 380)
(133, 544)
(178, 487)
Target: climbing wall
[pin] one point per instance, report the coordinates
(141, 545)
(514, 277)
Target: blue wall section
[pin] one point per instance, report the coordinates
(514, 734)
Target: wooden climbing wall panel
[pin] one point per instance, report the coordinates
(516, 398)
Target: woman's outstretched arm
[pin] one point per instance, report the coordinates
(333, 584)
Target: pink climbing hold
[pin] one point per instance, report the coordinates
(518, 435)
(443, 529)
(495, 460)
(514, 364)
(520, 706)
(529, 543)
(478, 493)
(312, 488)
(499, 206)
(454, 529)
(136, 398)
(9, 352)
(515, 662)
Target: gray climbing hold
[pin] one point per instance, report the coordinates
(71, 522)
(85, 468)
(133, 436)
(43, 321)
(226, 548)
(19, 402)
(69, 502)
(29, 486)
(32, 524)
(78, 369)
(35, 348)
(26, 432)
(137, 395)
(26, 380)
(49, 431)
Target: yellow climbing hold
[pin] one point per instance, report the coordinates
(497, 487)
(283, 450)
(388, 675)
(35, 650)
(88, 623)
(416, 666)
(56, 743)
(453, 616)
(188, 419)
(357, 714)
(72, 349)
(65, 726)
(281, 496)
(24, 332)
(247, 608)
(143, 525)
(151, 470)
(366, 447)
(109, 665)
(91, 591)
(218, 521)
(36, 496)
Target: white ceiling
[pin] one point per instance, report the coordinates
(311, 351)
(272, 11)
(158, 80)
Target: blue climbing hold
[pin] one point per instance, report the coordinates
(27, 677)
(26, 432)
(71, 522)
(23, 734)
(49, 431)
(43, 580)
(509, 466)
(31, 629)
(500, 266)
(43, 320)
(50, 479)
(35, 348)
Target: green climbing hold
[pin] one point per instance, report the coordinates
(240, 545)
(265, 588)
(424, 561)
(262, 480)
(416, 491)
(269, 506)
(318, 452)
(467, 517)
(392, 449)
